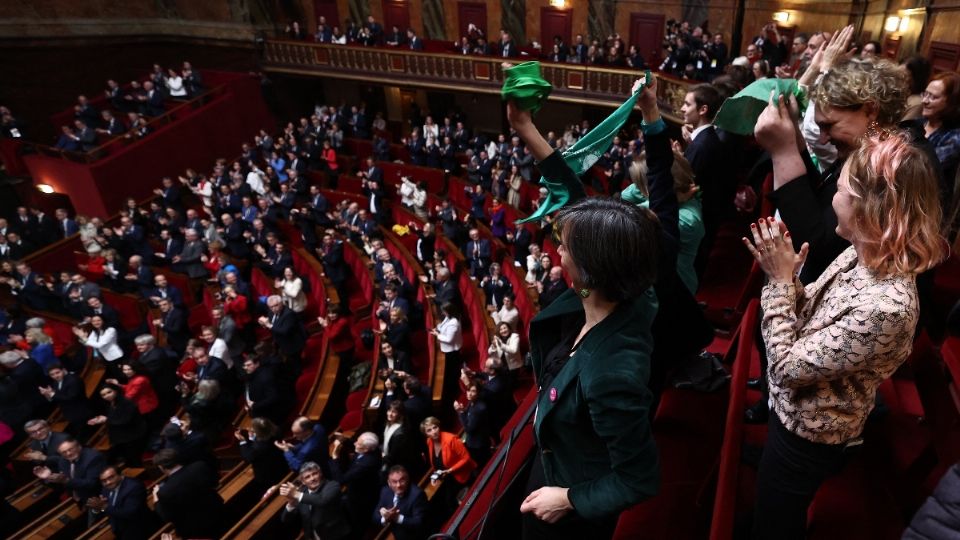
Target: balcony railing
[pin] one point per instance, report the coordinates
(574, 83)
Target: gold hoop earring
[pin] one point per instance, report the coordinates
(584, 293)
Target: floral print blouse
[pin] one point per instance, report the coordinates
(831, 344)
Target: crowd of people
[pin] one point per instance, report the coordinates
(127, 110)
(863, 182)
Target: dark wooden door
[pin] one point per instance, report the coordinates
(328, 9)
(471, 12)
(396, 13)
(555, 22)
(646, 32)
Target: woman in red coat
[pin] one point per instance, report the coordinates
(139, 390)
(450, 462)
(336, 325)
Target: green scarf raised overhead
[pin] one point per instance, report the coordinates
(582, 155)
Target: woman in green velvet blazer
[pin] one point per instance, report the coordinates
(591, 355)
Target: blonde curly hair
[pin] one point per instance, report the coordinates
(857, 81)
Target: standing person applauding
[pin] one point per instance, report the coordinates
(830, 344)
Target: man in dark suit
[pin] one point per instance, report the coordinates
(44, 443)
(508, 49)
(85, 135)
(109, 314)
(68, 392)
(415, 147)
(331, 256)
(552, 288)
(163, 290)
(372, 172)
(173, 322)
(151, 102)
(289, 336)
(189, 258)
(169, 194)
(26, 285)
(416, 44)
(47, 227)
(188, 498)
(79, 470)
(66, 226)
(262, 395)
(495, 286)
(521, 244)
(172, 246)
(706, 156)
(28, 377)
(112, 126)
(317, 504)
(360, 475)
(124, 501)
(160, 369)
(445, 290)
(139, 278)
(426, 243)
(210, 368)
(235, 237)
(402, 505)
(478, 254)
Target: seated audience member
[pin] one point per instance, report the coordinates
(258, 449)
(359, 474)
(402, 506)
(188, 497)
(402, 445)
(316, 502)
(450, 461)
(310, 444)
(44, 443)
(126, 428)
(69, 393)
(124, 501)
(78, 470)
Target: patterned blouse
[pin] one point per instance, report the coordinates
(831, 344)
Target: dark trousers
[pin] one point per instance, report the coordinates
(571, 526)
(791, 471)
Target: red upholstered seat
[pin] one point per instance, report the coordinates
(351, 421)
(356, 400)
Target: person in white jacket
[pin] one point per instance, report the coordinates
(291, 288)
(506, 345)
(448, 333)
(102, 340)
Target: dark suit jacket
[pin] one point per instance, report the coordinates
(551, 291)
(175, 326)
(320, 512)
(124, 422)
(190, 259)
(267, 461)
(288, 333)
(361, 477)
(214, 370)
(476, 425)
(71, 397)
(413, 508)
(189, 500)
(717, 185)
(594, 419)
(173, 293)
(478, 253)
(53, 457)
(130, 517)
(446, 292)
(264, 391)
(85, 480)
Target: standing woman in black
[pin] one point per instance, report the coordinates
(125, 426)
(591, 352)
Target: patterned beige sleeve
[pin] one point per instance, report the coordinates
(874, 336)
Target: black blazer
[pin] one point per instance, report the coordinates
(361, 476)
(53, 458)
(717, 184)
(476, 425)
(85, 480)
(264, 391)
(215, 370)
(175, 326)
(130, 517)
(189, 500)
(401, 362)
(288, 333)
(124, 422)
(320, 513)
(71, 396)
(413, 508)
(267, 461)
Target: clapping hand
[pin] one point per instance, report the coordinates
(772, 247)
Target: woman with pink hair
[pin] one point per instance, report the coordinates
(830, 344)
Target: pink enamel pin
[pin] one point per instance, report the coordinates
(553, 394)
